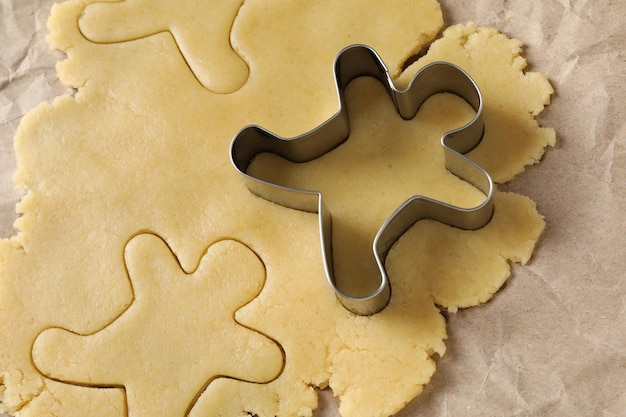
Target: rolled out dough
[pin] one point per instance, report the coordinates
(142, 148)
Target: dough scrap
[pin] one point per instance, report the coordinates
(143, 147)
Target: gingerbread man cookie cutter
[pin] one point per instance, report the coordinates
(358, 61)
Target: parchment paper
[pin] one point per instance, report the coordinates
(553, 341)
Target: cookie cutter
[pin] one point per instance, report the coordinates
(353, 62)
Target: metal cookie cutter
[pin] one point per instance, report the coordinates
(353, 62)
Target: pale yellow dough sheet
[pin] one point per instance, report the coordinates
(146, 279)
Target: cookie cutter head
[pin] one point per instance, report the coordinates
(358, 61)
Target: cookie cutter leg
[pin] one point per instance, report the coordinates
(358, 61)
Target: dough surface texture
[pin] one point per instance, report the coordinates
(133, 215)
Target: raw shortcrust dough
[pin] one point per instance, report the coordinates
(143, 148)
(168, 316)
